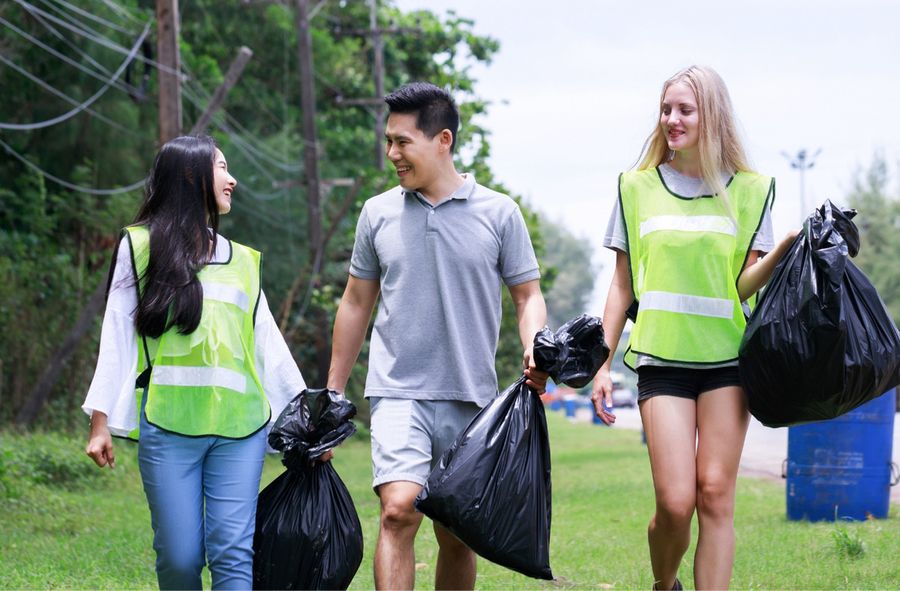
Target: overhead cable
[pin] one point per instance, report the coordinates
(122, 11)
(66, 184)
(102, 40)
(64, 57)
(79, 107)
(92, 17)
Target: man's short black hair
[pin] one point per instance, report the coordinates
(433, 106)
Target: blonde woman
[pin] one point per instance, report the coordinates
(691, 231)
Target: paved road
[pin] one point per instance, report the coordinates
(765, 449)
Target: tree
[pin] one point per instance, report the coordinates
(878, 221)
(55, 243)
(573, 284)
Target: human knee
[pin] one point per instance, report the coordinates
(179, 570)
(398, 515)
(715, 497)
(676, 509)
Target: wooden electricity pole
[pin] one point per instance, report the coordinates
(169, 76)
(231, 77)
(310, 139)
(378, 63)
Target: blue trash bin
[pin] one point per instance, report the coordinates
(842, 468)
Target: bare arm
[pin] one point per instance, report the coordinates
(350, 326)
(531, 312)
(618, 299)
(758, 270)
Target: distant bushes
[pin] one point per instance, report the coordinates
(43, 459)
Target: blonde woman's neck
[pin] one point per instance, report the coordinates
(687, 163)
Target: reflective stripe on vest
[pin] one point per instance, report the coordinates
(205, 383)
(685, 256)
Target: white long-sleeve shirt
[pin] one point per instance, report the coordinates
(112, 389)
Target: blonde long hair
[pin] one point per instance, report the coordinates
(719, 146)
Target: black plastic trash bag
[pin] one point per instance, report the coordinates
(491, 488)
(820, 342)
(308, 534)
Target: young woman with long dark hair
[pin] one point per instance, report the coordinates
(690, 230)
(192, 365)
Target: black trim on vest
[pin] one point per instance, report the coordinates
(112, 263)
(137, 287)
(770, 199)
(679, 360)
(258, 295)
(631, 311)
(230, 253)
(674, 194)
(255, 431)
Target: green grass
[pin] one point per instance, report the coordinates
(67, 525)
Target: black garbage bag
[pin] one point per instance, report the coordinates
(308, 534)
(491, 488)
(820, 341)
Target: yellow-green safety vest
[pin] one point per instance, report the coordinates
(685, 256)
(205, 383)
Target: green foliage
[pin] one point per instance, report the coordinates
(847, 544)
(99, 536)
(55, 244)
(878, 221)
(573, 284)
(43, 459)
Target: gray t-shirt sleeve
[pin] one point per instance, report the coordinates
(364, 260)
(616, 238)
(765, 237)
(518, 262)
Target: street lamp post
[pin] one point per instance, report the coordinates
(802, 162)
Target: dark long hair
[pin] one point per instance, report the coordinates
(179, 207)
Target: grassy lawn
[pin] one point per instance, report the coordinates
(67, 525)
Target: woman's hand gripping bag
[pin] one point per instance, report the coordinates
(308, 534)
(491, 488)
(820, 342)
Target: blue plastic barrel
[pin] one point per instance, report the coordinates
(842, 468)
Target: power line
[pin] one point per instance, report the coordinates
(92, 17)
(121, 11)
(61, 56)
(102, 40)
(79, 107)
(67, 184)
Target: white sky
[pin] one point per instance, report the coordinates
(576, 83)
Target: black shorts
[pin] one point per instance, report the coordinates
(684, 382)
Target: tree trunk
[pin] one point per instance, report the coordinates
(41, 391)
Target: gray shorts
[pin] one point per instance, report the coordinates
(409, 436)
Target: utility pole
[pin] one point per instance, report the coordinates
(374, 104)
(167, 18)
(231, 77)
(378, 62)
(802, 162)
(310, 139)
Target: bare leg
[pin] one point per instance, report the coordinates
(455, 563)
(671, 427)
(722, 420)
(395, 560)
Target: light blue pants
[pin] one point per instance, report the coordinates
(202, 493)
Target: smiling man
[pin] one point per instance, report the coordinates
(438, 248)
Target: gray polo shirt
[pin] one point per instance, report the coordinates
(441, 270)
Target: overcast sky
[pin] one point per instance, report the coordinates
(576, 84)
